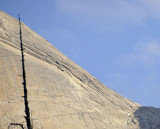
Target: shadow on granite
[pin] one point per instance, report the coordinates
(148, 117)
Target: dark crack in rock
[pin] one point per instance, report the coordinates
(61, 94)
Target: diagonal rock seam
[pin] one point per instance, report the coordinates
(64, 95)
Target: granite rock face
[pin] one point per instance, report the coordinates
(61, 94)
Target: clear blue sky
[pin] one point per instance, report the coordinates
(118, 41)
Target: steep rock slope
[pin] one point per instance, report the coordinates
(62, 95)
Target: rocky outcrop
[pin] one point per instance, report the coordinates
(61, 94)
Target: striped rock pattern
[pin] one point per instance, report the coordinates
(61, 94)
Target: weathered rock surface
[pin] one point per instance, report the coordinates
(61, 94)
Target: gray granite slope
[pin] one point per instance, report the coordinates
(62, 95)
